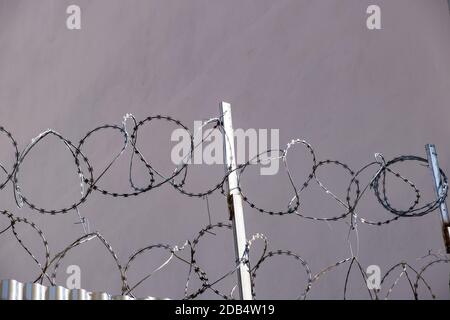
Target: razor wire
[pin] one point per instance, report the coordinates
(89, 184)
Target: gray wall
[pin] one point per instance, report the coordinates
(309, 68)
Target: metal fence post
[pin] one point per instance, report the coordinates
(433, 163)
(234, 198)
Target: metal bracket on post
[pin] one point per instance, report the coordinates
(234, 199)
(434, 165)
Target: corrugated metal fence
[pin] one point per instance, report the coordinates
(15, 290)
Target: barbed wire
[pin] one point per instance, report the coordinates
(89, 184)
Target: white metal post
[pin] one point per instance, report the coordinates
(234, 198)
(433, 163)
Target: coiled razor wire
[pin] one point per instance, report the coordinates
(89, 183)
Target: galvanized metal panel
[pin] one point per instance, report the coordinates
(57, 293)
(34, 291)
(11, 290)
(100, 296)
(79, 294)
(15, 290)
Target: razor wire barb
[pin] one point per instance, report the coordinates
(89, 184)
